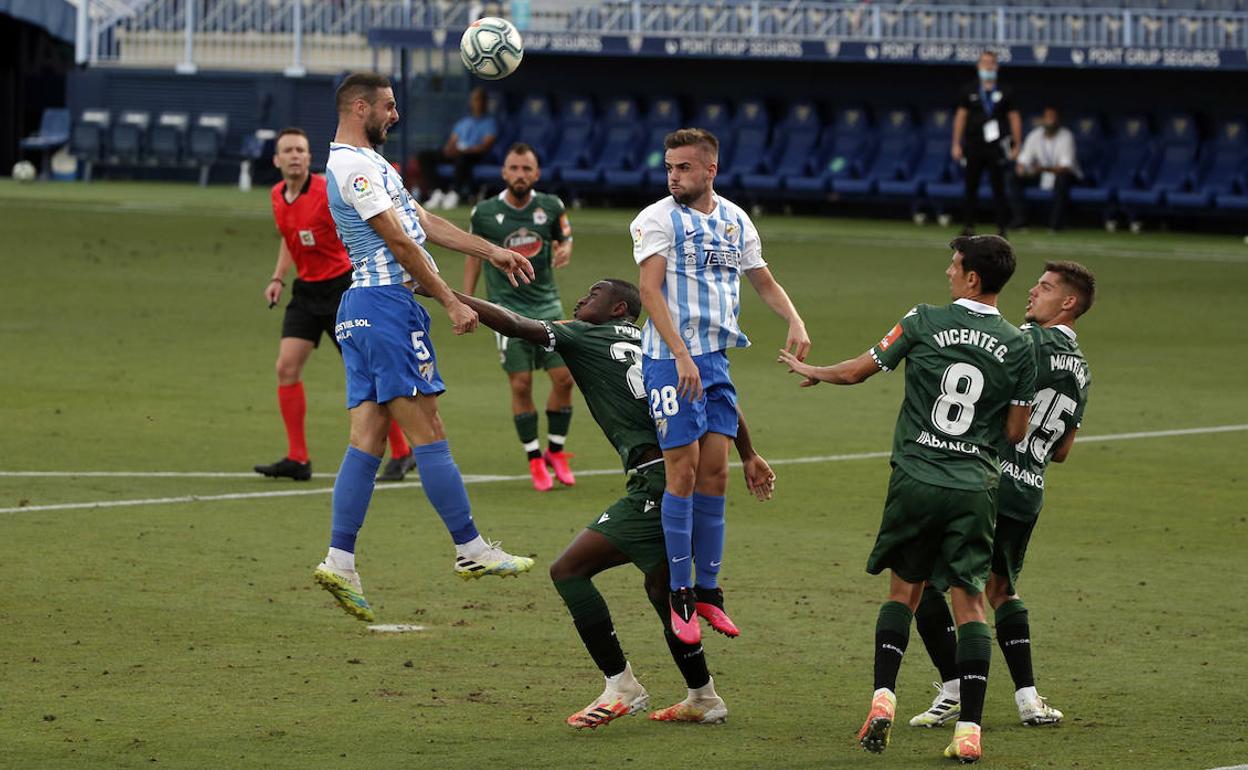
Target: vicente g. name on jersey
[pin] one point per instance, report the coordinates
(927, 439)
(974, 338)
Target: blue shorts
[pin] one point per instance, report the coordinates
(386, 349)
(680, 422)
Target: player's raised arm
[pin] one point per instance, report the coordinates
(507, 323)
(409, 255)
(778, 300)
(759, 478)
(653, 273)
(849, 372)
(439, 231)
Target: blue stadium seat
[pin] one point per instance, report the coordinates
(53, 133)
(894, 157)
(1169, 168)
(168, 139)
(663, 118)
(792, 146)
(1126, 154)
(932, 164)
(576, 128)
(206, 142)
(617, 148)
(535, 126)
(128, 137)
(88, 139)
(1221, 168)
(843, 147)
(746, 144)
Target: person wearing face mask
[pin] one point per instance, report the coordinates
(1048, 159)
(985, 117)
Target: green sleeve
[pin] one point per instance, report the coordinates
(1083, 403)
(891, 351)
(561, 230)
(472, 221)
(565, 336)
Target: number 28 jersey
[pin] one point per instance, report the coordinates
(965, 367)
(1062, 384)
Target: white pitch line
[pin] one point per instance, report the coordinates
(488, 478)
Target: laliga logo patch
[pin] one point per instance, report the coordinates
(361, 187)
(637, 236)
(539, 216)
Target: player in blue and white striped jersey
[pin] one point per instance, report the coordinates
(693, 247)
(392, 370)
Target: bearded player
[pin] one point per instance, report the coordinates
(536, 225)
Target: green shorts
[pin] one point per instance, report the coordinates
(518, 355)
(633, 523)
(935, 533)
(1009, 546)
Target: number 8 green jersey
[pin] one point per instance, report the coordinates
(965, 366)
(1062, 384)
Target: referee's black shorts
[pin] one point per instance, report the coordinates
(313, 308)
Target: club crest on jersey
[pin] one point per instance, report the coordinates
(660, 426)
(730, 231)
(539, 216)
(499, 217)
(524, 242)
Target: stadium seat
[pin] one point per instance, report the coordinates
(206, 142)
(792, 146)
(168, 140)
(931, 165)
(576, 130)
(617, 149)
(535, 127)
(746, 144)
(893, 159)
(1169, 168)
(1127, 152)
(88, 139)
(664, 117)
(1220, 171)
(843, 147)
(53, 133)
(128, 136)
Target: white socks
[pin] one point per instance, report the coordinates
(705, 692)
(1025, 695)
(341, 560)
(472, 549)
(951, 689)
(623, 680)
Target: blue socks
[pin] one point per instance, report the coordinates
(677, 516)
(708, 538)
(439, 476)
(352, 490)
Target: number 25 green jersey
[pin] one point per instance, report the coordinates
(965, 366)
(1062, 384)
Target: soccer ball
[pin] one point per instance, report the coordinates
(24, 171)
(491, 48)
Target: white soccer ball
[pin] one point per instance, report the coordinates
(491, 48)
(24, 171)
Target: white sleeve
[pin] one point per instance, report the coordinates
(364, 189)
(651, 235)
(751, 245)
(1066, 149)
(1027, 157)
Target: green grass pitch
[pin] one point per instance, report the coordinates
(188, 632)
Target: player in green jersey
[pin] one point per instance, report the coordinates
(970, 378)
(601, 349)
(1064, 292)
(534, 224)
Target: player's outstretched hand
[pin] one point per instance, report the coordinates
(463, 318)
(798, 340)
(760, 479)
(798, 367)
(273, 292)
(514, 265)
(561, 253)
(689, 380)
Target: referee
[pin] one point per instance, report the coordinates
(309, 242)
(986, 112)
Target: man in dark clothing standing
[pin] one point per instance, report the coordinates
(979, 140)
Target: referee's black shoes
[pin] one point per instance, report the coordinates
(286, 468)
